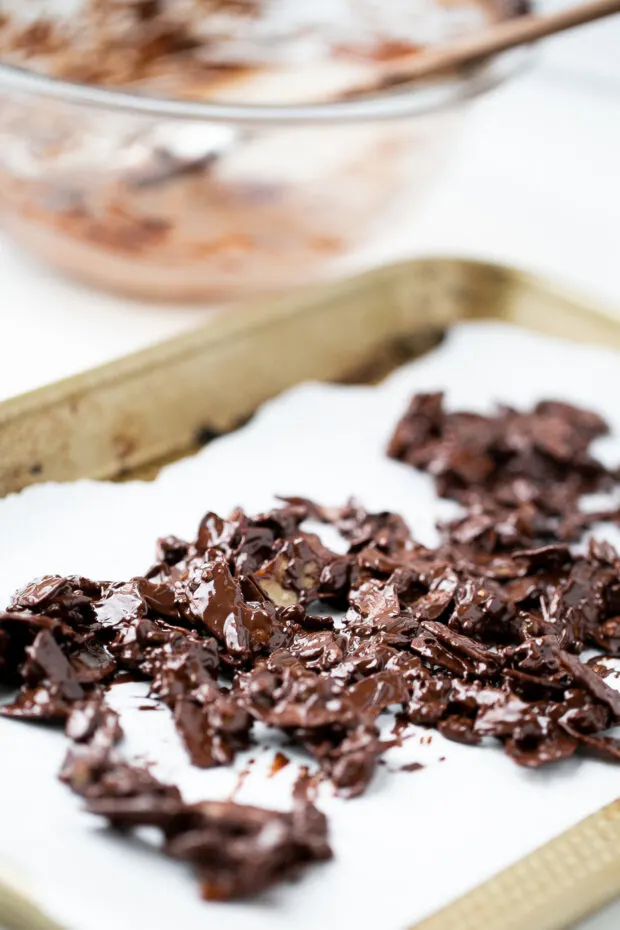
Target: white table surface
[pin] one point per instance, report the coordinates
(533, 182)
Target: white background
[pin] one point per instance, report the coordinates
(533, 182)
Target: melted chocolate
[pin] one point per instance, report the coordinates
(237, 850)
(479, 638)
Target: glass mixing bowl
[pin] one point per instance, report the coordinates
(183, 200)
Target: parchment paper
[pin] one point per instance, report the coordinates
(415, 840)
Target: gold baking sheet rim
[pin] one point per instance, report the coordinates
(159, 404)
(156, 404)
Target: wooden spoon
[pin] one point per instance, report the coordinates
(498, 38)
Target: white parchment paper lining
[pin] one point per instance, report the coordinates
(415, 840)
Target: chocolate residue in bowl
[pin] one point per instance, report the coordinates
(204, 49)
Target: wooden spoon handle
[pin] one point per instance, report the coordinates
(499, 38)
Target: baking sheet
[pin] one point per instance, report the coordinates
(415, 840)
